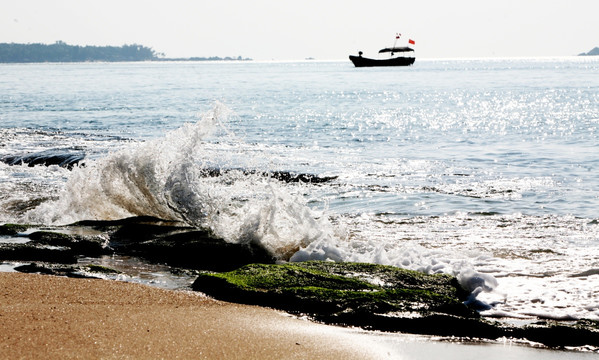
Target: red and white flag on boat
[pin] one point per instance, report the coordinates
(412, 42)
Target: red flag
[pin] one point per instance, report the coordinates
(397, 35)
(412, 42)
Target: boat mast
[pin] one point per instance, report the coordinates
(397, 36)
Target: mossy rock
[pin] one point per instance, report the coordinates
(93, 268)
(329, 290)
(12, 229)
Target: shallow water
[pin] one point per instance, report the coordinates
(408, 347)
(484, 169)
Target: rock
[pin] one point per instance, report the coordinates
(133, 233)
(365, 295)
(558, 335)
(36, 252)
(100, 269)
(12, 229)
(34, 268)
(52, 246)
(328, 290)
(61, 157)
(58, 270)
(284, 176)
(89, 245)
(289, 177)
(377, 297)
(197, 250)
(141, 221)
(156, 240)
(176, 244)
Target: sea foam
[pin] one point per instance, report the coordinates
(168, 178)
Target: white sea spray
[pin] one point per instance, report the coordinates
(169, 178)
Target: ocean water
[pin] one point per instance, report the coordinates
(481, 168)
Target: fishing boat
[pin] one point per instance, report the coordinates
(398, 56)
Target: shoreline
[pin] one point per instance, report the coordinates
(51, 317)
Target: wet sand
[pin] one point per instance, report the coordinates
(54, 317)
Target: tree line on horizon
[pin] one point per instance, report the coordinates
(62, 52)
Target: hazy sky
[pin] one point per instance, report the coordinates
(323, 29)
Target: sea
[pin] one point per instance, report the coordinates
(485, 169)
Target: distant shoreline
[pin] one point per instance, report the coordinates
(593, 52)
(62, 52)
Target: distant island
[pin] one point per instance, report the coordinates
(594, 52)
(62, 52)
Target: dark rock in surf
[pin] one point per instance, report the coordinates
(12, 229)
(559, 335)
(36, 252)
(85, 245)
(53, 269)
(197, 250)
(289, 177)
(21, 206)
(176, 244)
(135, 232)
(284, 176)
(50, 246)
(34, 268)
(60, 157)
(156, 240)
(113, 225)
(73, 271)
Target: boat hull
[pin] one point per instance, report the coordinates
(360, 61)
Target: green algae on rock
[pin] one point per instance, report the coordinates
(330, 290)
(100, 269)
(12, 229)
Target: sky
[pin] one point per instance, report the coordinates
(320, 29)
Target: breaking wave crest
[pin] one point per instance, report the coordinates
(167, 178)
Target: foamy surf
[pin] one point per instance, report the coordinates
(166, 178)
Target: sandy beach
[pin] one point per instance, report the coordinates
(54, 317)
